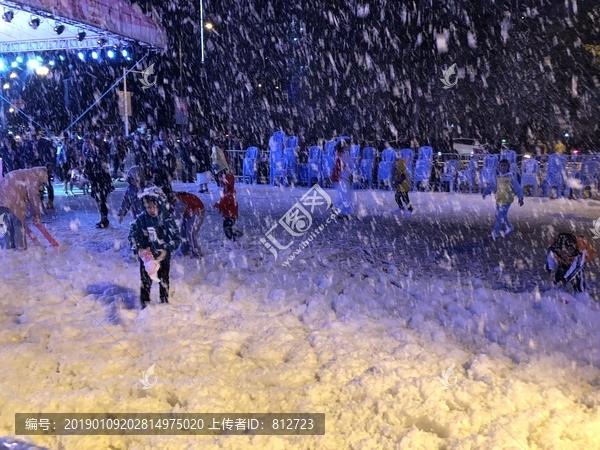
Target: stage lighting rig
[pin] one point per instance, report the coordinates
(35, 22)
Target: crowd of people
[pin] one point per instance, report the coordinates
(99, 158)
(567, 254)
(166, 221)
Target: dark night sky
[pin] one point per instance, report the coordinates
(370, 69)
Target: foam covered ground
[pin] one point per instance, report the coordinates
(359, 326)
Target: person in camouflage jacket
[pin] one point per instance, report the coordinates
(154, 236)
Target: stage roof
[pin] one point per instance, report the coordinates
(114, 20)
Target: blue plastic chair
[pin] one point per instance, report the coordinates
(314, 165)
(291, 142)
(449, 174)
(530, 170)
(557, 164)
(327, 162)
(280, 175)
(488, 172)
(422, 174)
(290, 155)
(423, 168)
(329, 148)
(303, 174)
(469, 175)
(249, 171)
(355, 165)
(275, 155)
(279, 137)
(589, 176)
(366, 166)
(426, 153)
(386, 167)
(408, 155)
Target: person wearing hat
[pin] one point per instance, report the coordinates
(154, 237)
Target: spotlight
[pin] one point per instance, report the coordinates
(110, 53)
(8, 16)
(43, 71)
(62, 57)
(81, 36)
(51, 62)
(125, 53)
(101, 42)
(2, 65)
(19, 59)
(6, 86)
(58, 29)
(95, 54)
(33, 64)
(81, 56)
(14, 64)
(13, 75)
(34, 22)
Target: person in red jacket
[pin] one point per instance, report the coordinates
(190, 210)
(228, 207)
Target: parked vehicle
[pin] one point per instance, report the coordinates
(467, 146)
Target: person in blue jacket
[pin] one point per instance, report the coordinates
(154, 236)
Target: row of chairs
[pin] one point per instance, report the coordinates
(284, 168)
(558, 176)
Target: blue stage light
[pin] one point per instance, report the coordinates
(2, 65)
(81, 56)
(95, 54)
(110, 53)
(14, 64)
(51, 62)
(19, 59)
(62, 57)
(125, 53)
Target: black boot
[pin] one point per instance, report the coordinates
(104, 223)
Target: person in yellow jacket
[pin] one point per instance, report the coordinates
(560, 148)
(401, 184)
(506, 187)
